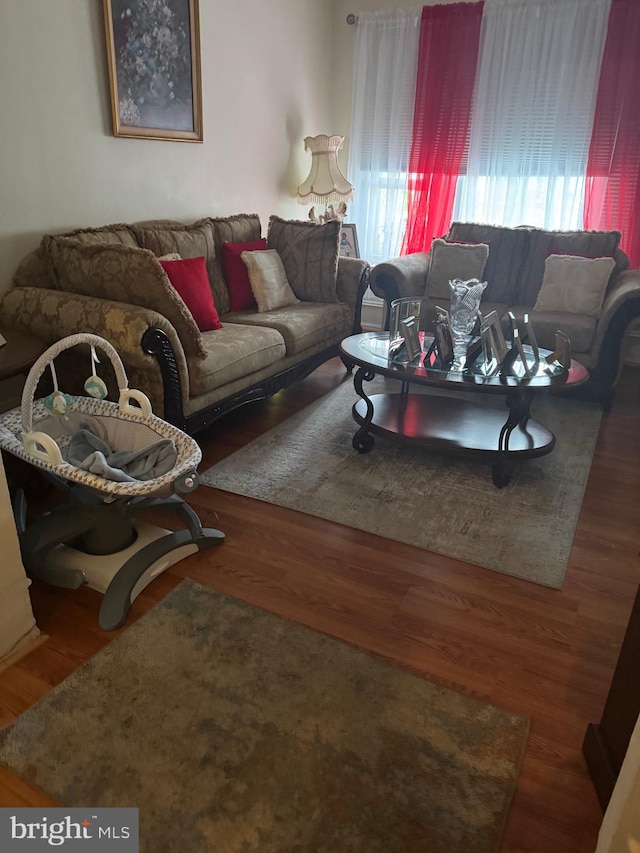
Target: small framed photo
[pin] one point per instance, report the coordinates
(153, 50)
(444, 342)
(409, 328)
(494, 343)
(348, 244)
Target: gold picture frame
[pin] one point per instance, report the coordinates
(154, 69)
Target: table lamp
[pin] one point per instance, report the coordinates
(325, 183)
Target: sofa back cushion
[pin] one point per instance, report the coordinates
(507, 251)
(588, 244)
(454, 260)
(35, 269)
(119, 233)
(188, 241)
(309, 254)
(122, 274)
(242, 228)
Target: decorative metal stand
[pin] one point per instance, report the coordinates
(519, 405)
(363, 441)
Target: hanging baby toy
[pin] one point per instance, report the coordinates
(95, 386)
(58, 403)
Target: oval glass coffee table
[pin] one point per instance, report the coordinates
(449, 423)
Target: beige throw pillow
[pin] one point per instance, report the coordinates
(574, 285)
(454, 260)
(268, 280)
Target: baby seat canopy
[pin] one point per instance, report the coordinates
(118, 449)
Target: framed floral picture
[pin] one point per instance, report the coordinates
(153, 50)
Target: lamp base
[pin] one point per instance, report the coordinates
(329, 214)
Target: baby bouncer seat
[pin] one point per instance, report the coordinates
(112, 460)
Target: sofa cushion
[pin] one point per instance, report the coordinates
(242, 228)
(236, 273)
(268, 280)
(117, 233)
(574, 285)
(35, 269)
(309, 253)
(580, 328)
(189, 277)
(233, 352)
(302, 325)
(454, 260)
(507, 251)
(589, 244)
(123, 274)
(188, 241)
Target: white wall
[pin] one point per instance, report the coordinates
(620, 830)
(266, 84)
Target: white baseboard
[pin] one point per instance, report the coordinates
(372, 315)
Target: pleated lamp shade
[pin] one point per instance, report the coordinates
(325, 183)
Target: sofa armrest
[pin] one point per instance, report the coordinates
(621, 307)
(53, 314)
(400, 277)
(353, 280)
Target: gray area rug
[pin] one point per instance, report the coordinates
(428, 499)
(236, 731)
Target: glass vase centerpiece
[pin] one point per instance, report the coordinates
(465, 304)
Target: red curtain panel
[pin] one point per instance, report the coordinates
(612, 190)
(448, 54)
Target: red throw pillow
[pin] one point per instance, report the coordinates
(189, 277)
(236, 275)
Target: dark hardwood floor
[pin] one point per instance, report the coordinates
(548, 654)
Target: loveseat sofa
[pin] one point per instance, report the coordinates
(111, 281)
(547, 274)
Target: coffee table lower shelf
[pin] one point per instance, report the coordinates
(449, 424)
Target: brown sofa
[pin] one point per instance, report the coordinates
(109, 281)
(514, 271)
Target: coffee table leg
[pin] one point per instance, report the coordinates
(519, 413)
(363, 441)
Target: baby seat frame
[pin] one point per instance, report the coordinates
(98, 517)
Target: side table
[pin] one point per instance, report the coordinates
(19, 353)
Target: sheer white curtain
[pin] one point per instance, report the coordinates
(534, 102)
(384, 85)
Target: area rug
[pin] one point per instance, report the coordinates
(232, 729)
(432, 500)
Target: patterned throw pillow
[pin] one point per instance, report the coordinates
(123, 274)
(309, 254)
(574, 285)
(268, 280)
